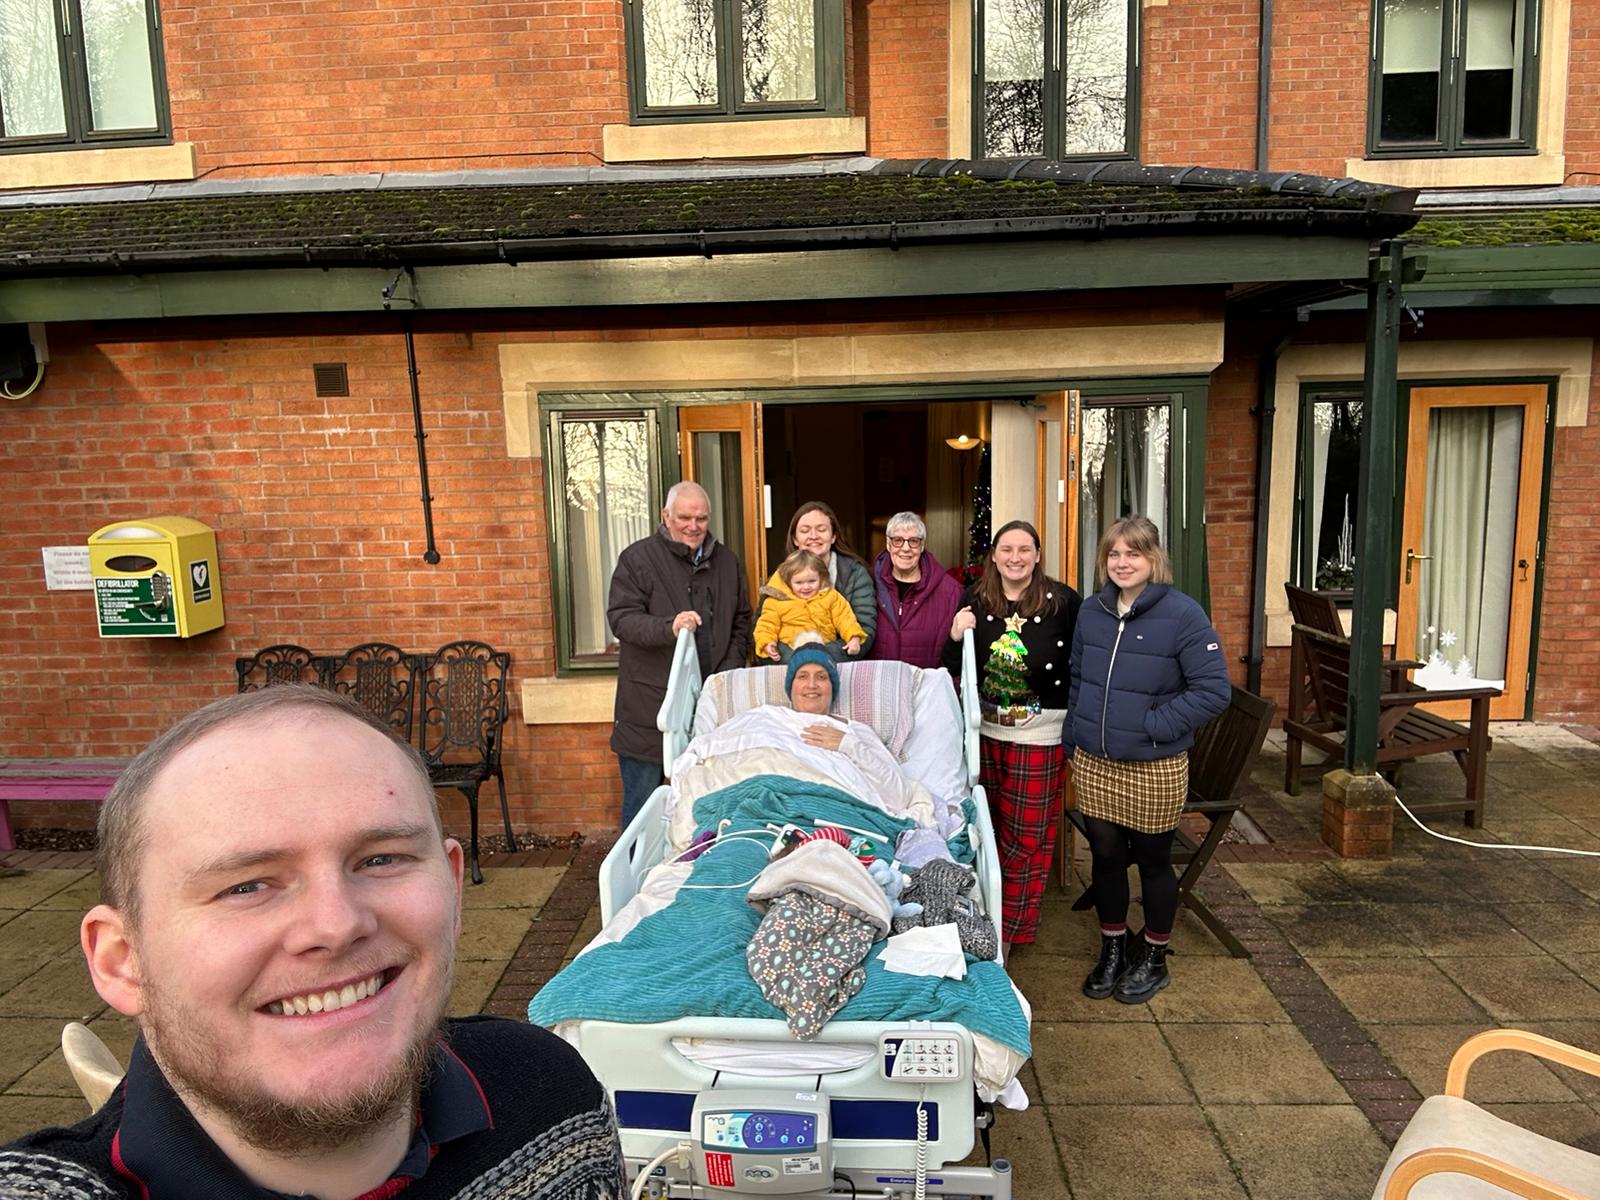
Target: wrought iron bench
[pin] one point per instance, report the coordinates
(1319, 696)
(451, 704)
(1223, 750)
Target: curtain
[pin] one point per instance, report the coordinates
(1469, 523)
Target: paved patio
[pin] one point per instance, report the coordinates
(1286, 1075)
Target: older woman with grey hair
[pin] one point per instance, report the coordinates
(916, 599)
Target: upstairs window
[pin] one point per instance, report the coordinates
(80, 73)
(693, 59)
(1055, 78)
(1453, 76)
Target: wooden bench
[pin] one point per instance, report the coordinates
(1319, 702)
(52, 779)
(1223, 750)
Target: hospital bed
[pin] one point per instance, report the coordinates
(712, 1105)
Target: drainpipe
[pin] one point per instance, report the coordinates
(1266, 411)
(1263, 87)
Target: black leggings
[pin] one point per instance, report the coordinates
(1114, 847)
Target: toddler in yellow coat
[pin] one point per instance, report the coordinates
(802, 606)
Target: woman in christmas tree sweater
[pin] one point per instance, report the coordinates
(1022, 622)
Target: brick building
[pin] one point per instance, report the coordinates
(608, 230)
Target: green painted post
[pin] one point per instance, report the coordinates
(1375, 488)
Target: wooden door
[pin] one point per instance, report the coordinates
(719, 447)
(1469, 552)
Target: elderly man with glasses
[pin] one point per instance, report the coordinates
(916, 599)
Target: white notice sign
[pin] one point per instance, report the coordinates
(66, 569)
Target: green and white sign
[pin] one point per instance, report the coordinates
(137, 606)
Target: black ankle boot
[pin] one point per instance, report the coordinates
(1113, 961)
(1146, 974)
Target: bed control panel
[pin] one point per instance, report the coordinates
(763, 1142)
(928, 1056)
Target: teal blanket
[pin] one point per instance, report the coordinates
(688, 960)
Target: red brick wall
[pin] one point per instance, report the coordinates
(316, 504)
(1231, 433)
(902, 76)
(1319, 85)
(1199, 83)
(1567, 683)
(1583, 97)
(279, 89)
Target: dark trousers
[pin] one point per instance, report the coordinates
(639, 779)
(1116, 846)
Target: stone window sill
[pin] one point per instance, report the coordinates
(1522, 170)
(778, 138)
(93, 167)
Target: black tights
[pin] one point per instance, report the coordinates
(1114, 847)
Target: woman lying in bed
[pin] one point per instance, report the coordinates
(806, 741)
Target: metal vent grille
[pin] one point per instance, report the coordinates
(332, 379)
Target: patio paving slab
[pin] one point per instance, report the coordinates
(1296, 1151)
(1561, 929)
(1457, 930)
(1099, 1144)
(28, 1042)
(526, 888)
(1529, 988)
(24, 1114)
(27, 889)
(1292, 883)
(1423, 1053)
(1213, 989)
(1576, 1124)
(60, 989)
(1252, 1064)
(1106, 1064)
(1026, 1139)
(1338, 930)
(1405, 990)
(1053, 984)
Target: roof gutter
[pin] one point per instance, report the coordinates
(1353, 221)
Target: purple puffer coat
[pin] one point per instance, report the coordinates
(915, 629)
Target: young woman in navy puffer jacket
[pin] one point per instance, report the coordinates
(1147, 672)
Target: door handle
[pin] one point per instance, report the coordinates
(1411, 557)
(1522, 565)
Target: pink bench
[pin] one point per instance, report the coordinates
(52, 779)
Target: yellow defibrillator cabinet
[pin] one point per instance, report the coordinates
(155, 577)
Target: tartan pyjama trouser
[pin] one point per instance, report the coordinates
(1024, 786)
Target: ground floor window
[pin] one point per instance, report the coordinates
(603, 483)
(1327, 497)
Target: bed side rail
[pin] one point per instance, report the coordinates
(676, 718)
(971, 716)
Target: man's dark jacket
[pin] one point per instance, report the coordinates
(655, 580)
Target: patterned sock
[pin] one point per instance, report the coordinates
(1113, 930)
(1157, 939)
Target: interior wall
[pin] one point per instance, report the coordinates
(1012, 462)
(951, 476)
(814, 452)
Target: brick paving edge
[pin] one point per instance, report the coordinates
(1385, 1097)
(543, 950)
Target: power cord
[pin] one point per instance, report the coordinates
(681, 1151)
(1445, 837)
(922, 1147)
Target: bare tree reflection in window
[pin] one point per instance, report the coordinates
(680, 53)
(31, 102)
(608, 507)
(780, 50)
(1094, 77)
(1013, 78)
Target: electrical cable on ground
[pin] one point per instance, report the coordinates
(1445, 837)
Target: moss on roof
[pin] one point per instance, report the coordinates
(393, 223)
(1530, 227)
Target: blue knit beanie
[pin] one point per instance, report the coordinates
(811, 654)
